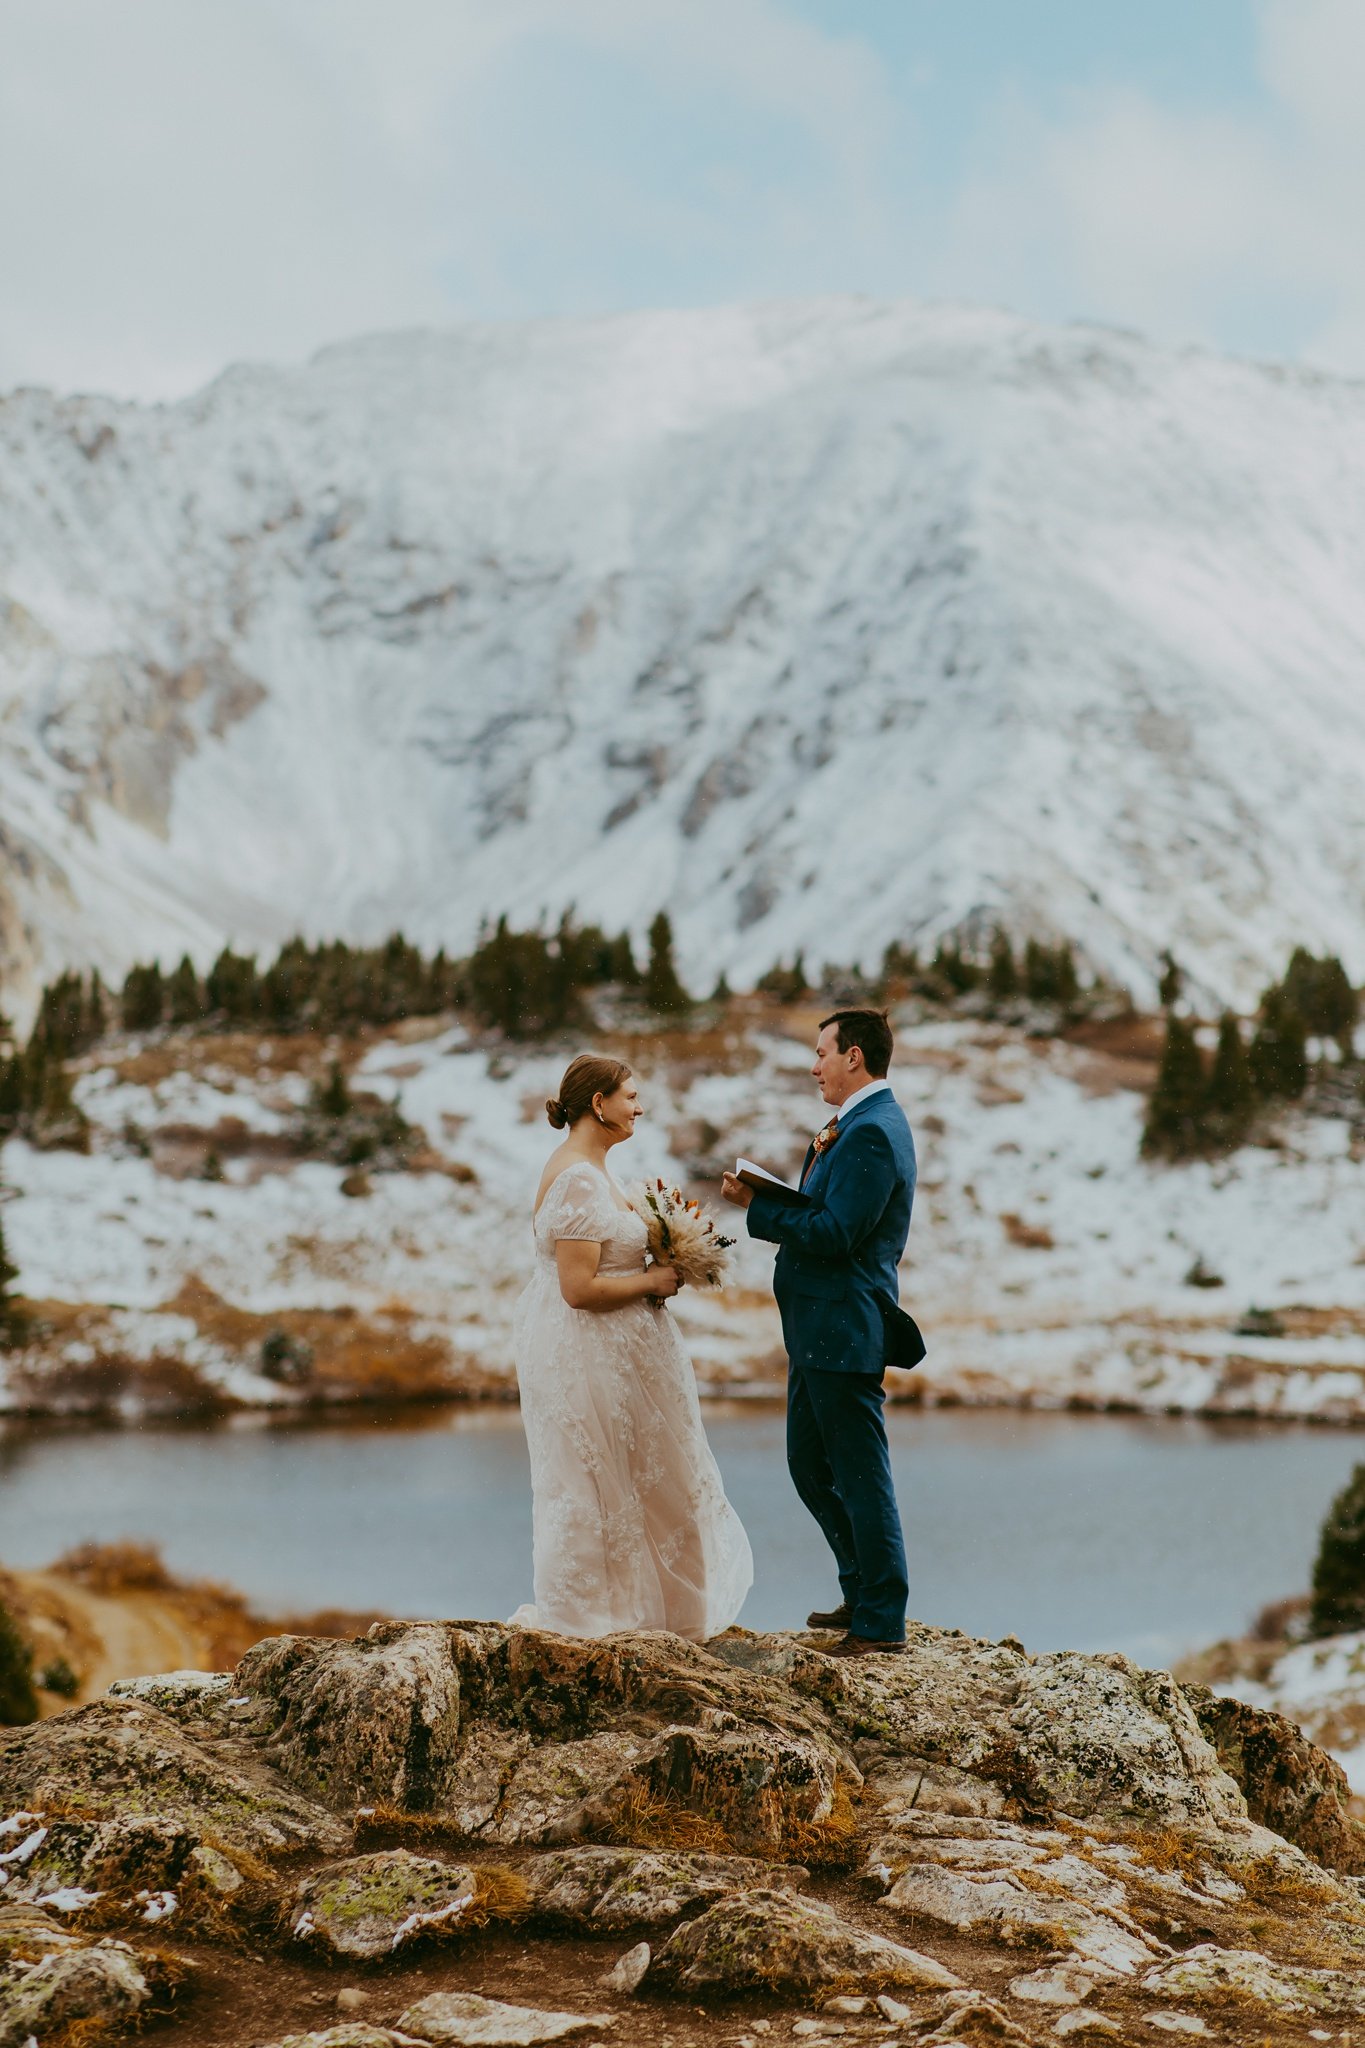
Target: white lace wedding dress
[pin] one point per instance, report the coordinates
(631, 1525)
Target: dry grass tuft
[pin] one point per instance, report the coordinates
(116, 1568)
(384, 1826)
(88, 2033)
(828, 1844)
(644, 1821)
(499, 1894)
(1170, 1849)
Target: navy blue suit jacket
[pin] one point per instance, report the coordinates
(841, 1249)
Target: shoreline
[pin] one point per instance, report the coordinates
(400, 1410)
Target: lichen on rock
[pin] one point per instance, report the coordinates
(601, 1889)
(120, 1757)
(786, 1943)
(464, 2019)
(369, 1907)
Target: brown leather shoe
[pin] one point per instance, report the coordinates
(838, 1617)
(863, 1646)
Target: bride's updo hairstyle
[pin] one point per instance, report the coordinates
(590, 1074)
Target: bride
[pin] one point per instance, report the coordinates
(631, 1525)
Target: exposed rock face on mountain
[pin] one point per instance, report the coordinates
(963, 1842)
(824, 623)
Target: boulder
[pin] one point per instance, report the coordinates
(1218, 1975)
(350, 2035)
(1056, 1734)
(1015, 1886)
(80, 1861)
(99, 1981)
(464, 2017)
(371, 1906)
(1289, 1784)
(521, 1736)
(28, 1933)
(126, 1757)
(1064, 1984)
(364, 1722)
(968, 2019)
(604, 1890)
(545, 1793)
(758, 1789)
(196, 1695)
(786, 1943)
(629, 1971)
(1098, 1735)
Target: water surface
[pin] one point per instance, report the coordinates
(1069, 1531)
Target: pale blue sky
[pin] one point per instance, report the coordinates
(183, 182)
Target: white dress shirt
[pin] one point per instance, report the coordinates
(860, 1095)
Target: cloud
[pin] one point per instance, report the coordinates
(185, 185)
(1237, 228)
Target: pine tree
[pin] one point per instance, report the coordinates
(97, 1009)
(1002, 975)
(1321, 992)
(1176, 1104)
(1171, 983)
(333, 1098)
(1338, 1601)
(67, 1022)
(663, 990)
(1066, 982)
(899, 963)
(951, 966)
(1279, 1050)
(143, 1001)
(624, 966)
(722, 991)
(18, 1701)
(230, 987)
(1229, 1097)
(185, 994)
(12, 1321)
(1040, 971)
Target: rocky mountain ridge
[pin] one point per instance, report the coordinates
(824, 624)
(963, 1844)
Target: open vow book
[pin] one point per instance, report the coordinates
(764, 1183)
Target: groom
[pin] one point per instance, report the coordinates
(835, 1282)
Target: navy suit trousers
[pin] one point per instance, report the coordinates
(841, 1467)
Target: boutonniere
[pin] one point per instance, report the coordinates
(825, 1138)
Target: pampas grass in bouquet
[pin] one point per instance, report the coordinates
(681, 1233)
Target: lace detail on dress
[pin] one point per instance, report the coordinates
(631, 1525)
(578, 1203)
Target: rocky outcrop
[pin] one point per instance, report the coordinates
(118, 1758)
(1212, 1975)
(52, 1978)
(988, 1844)
(377, 1719)
(1080, 1735)
(1289, 1784)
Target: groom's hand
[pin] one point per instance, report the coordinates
(733, 1189)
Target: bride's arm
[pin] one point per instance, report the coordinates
(582, 1286)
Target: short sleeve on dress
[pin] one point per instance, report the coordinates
(578, 1205)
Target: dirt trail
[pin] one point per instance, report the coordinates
(107, 1611)
(122, 1635)
(104, 1636)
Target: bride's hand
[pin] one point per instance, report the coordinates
(663, 1282)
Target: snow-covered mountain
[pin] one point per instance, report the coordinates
(822, 623)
